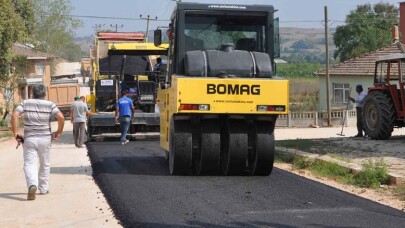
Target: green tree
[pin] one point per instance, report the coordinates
(303, 44)
(54, 32)
(367, 28)
(16, 25)
(16, 22)
(25, 9)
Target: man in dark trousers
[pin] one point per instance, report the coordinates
(78, 117)
(359, 108)
(37, 138)
(124, 112)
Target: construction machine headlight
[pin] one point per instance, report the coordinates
(271, 108)
(195, 107)
(204, 107)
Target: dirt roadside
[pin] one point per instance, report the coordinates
(326, 141)
(74, 199)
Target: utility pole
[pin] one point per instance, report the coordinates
(97, 27)
(327, 68)
(147, 23)
(116, 27)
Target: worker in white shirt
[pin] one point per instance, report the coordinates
(359, 100)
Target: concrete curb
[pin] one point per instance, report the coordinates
(395, 179)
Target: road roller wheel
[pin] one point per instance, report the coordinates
(264, 148)
(180, 147)
(234, 147)
(208, 157)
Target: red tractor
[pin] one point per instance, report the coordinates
(384, 105)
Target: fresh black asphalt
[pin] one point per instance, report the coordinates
(136, 182)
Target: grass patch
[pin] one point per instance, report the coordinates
(340, 158)
(299, 144)
(373, 174)
(5, 135)
(304, 94)
(283, 158)
(399, 192)
(328, 169)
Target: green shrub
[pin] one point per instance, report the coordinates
(284, 158)
(3, 123)
(302, 162)
(373, 174)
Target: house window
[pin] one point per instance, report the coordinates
(40, 69)
(341, 92)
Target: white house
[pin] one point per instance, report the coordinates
(344, 76)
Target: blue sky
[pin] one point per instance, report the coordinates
(292, 13)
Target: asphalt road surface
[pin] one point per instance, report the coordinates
(136, 182)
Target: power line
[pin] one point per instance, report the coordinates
(113, 18)
(281, 21)
(116, 26)
(97, 27)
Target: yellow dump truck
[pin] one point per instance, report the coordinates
(221, 99)
(123, 61)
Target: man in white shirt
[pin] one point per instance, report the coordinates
(37, 138)
(359, 100)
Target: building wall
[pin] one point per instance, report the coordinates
(31, 70)
(23, 90)
(366, 81)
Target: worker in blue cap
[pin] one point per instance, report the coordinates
(359, 100)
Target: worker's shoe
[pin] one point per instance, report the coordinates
(31, 192)
(126, 141)
(358, 136)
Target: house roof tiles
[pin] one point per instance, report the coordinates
(24, 50)
(363, 65)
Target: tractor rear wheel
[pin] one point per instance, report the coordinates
(378, 115)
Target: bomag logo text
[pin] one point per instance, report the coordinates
(233, 89)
